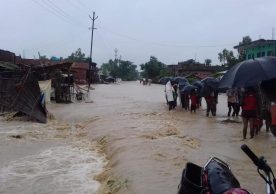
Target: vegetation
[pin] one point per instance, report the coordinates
(125, 70)
(153, 69)
(227, 57)
(208, 62)
(77, 56)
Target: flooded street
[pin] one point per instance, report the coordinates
(47, 158)
(146, 145)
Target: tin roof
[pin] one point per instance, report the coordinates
(80, 65)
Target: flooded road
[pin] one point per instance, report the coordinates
(146, 145)
(47, 158)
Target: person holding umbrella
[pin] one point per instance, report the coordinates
(193, 97)
(232, 102)
(169, 90)
(249, 111)
(211, 101)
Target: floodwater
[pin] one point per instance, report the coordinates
(146, 145)
(47, 158)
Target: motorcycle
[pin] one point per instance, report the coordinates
(217, 178)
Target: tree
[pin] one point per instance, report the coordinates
(242, 53)
(77, 56)
(222, 56)
(153, 68)
(110, 68)
(245, 40)
(126, 70)
(208, 62)
(227, 58)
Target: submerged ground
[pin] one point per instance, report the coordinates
(147, 146)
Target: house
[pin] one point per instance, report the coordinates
(80, 70)
(258, 48)
(192, 68)
(7, 56)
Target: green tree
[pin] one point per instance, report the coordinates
(153, 68)
(105, 68)
(242, 53)
(77, 56)
(125, 70)
(208, 62)
(110, 68)
(245, 40)
(227, 58)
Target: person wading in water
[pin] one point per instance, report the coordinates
(169, 95)
(249, 111)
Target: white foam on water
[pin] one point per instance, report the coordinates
(61, 169)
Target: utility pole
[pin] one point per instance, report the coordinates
(273, 33)
(116, 53)
(115, 60)
(91, 48)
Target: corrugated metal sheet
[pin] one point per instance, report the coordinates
(19, 91)
(80, 65)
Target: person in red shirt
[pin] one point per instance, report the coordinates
(193, 98)
(249, 111)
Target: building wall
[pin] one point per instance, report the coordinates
(261, 51)
(79, 75)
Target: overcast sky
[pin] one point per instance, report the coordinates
(171, 30)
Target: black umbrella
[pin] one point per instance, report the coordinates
(188, 88)
(182, 84)
(249, 73)
(164, 80)
(180, 79)
(198, 84)
(210, 82)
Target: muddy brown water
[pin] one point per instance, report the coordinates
(147, 146)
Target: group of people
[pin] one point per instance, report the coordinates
(254, 107)
(145, 81)
(191, 99)
(249, 100)
(171, 93)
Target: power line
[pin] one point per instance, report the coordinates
(50, 10)
(163, 44)
(63, 12)
(54, 9)
(58, 10)
(105, 43)
(76, 4)
(83, 5)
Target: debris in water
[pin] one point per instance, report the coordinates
(17, 136)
